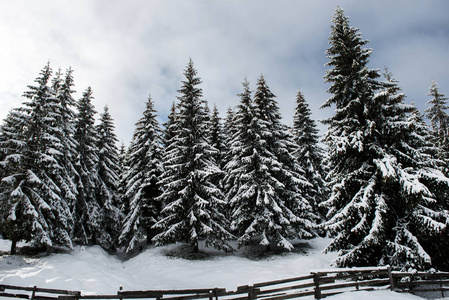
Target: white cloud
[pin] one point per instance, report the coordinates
(127, 50)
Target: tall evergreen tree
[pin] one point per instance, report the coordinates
(36, 210)
(86, 209)
(108, 180)
(380, 206)
(65, 122)
(144, 161)
(439, 119)
(193, 203)
(217, 139)
(170, 126)
(217, 135)
(266, 196)
(123, 168)
(12, 145)
(309, 154)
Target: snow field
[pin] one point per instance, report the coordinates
(91, 270)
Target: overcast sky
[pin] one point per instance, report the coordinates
(126, 50)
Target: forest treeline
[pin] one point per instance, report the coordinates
(379, 188)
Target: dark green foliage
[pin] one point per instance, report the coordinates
(309, 155)
(141, 189)
(263, 181)
(110, 217)
(32, 186)
(380, 206)
(86, 209)
(194, 204)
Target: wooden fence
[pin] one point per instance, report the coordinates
(318, 284)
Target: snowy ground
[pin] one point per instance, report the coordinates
(92, 271)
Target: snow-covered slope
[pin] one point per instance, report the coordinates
(92, 270)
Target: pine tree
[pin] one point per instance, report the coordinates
(193, 202)
(108, 180)
(308, 153)
(439, 119)
(170, 126)
(86, 209)
(265, 185)
(123, 168)
(36, 210)
(12, 145)
(217, 139)
(144, 162)
(380, 206)
(229, 129)
(229, 126)
(65, 122)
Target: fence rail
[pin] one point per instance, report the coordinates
(318, 284)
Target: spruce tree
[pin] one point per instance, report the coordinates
(263, 180)
(217, 136)
(86, 209)
(144, 163)
(193, 210)
(12, 145)
(439, 119)
(217, 140)
(108, 180)
(123, 168)
(380, 206)
(65, 122)
(308, 153)
(33, 197)
(169, 126)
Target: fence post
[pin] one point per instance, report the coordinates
(316, 280)
(119, 292)
(390, 277)
(216, 293)
(34, 293)
(250, 292)
(211, 295)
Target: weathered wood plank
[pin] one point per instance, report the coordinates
(281, 281)
(290, 296)
(422, 282)
(354, 284)
(288, 288)
(22, 296)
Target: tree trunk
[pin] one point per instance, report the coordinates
(149, 235)
(268, 247)
(195, 247)
(13, 246)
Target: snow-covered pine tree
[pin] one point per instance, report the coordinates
(193, 210)
(12, 145)
(144, 163)
(107, 185)
(86, 209)
(309, 155)
(435, 245)
(169, 126)
(228, 132)
(439, 119)
(217, 136)
(65, 122)
(217, 140)
(380, 207)
(228, 127)
(123, 168)
(36, 211)
(265, 185)
(240, 130)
